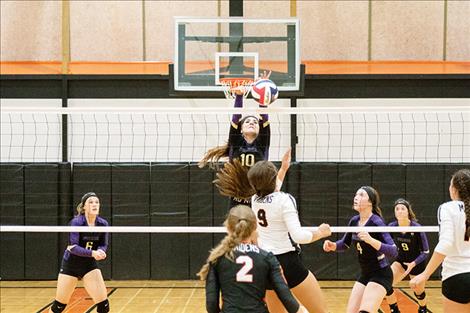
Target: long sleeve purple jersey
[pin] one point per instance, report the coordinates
(370, 259)
(81, 244)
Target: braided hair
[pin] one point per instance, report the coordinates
(240, 223)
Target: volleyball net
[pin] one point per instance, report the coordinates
(369, 130)
(141, 160)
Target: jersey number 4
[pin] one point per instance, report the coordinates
(243, 274)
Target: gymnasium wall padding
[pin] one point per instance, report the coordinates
(317, 203)
(200, 214)
(169, 189)
(12, 213)
(180, 194)
(65, 205)
(94, 177)
(425, 191)
(351, 176)
(41, 190)
(130, 200)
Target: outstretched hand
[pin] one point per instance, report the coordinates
(264, 75)
(286, 158)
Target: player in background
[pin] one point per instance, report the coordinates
(81, 256)
(413, 250)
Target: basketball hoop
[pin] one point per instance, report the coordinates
(233, 84)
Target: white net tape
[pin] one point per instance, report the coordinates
(325, 133)
(194, 229)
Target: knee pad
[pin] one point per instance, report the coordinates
(390, 292)
(103, 306)
(58, 307)
(421, 296)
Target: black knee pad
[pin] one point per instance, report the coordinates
(58, 307)
(421, 296)
(103, 306)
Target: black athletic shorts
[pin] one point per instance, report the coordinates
(292, 267)
(78, 268)
(418, 269)
(383, 277)
(457, 288)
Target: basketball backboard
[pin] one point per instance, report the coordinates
(208, 49)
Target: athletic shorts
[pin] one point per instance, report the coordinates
(418, 269)
(292, 267)
(457, 288)
(77, 269)
(383, 277)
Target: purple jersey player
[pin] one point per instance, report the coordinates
(373, 250)
(79, 261)
(413, 250)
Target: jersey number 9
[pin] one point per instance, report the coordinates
(262, 221)
(404, 246)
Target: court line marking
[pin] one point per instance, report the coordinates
(94, 305)
(413, 298)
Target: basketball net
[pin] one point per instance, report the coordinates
(232, 85)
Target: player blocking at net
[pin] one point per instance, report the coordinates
(81, 256)
(249, 137)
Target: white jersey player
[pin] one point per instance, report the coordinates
(279, 231)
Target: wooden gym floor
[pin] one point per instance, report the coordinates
(174, 297)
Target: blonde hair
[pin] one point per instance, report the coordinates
(240, 223)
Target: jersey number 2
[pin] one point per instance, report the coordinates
(242, 274)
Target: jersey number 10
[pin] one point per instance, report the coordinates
(247, 159)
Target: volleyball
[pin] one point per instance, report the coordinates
(265, 91)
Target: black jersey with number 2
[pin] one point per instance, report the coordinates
(243, 282)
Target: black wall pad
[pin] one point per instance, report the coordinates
(317, 204)
(65, 205)
(12, 213)
(94, 177)
(169, 191)
(390, 181)
(424, 189)
(221, 206)
(351, 176)
(41, 208)
(200, 214)
(130, 207)
(291, 183)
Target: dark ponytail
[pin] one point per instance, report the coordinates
(461, 182)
